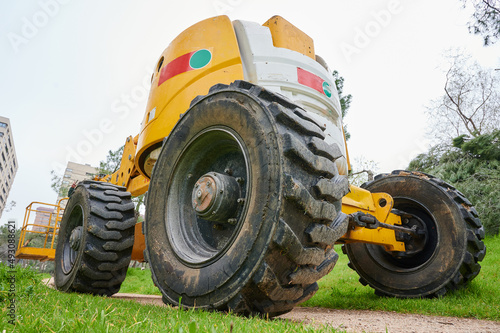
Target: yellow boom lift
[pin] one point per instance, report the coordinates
(243, 160)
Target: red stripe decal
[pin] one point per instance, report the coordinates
(175, 67)
(309, 79)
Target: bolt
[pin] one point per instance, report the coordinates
(221, 191)
(128, 139)
(197, 185)
(240, 180)
(198, 194)
(189, 176)
(129, 157)
(232, 221)
(75, 237)
(228, 171)
(241, 201)
(209, 183)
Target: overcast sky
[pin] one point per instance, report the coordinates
(66, 65)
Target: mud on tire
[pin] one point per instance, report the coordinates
(279, 241)
(453, 245)
(95, 239)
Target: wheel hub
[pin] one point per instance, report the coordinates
(414, 243)
(215, 197)
(75, 238)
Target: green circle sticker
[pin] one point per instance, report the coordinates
(200, 59)
(327, 89)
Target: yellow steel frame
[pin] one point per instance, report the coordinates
(128, 175)
(47, 252)
(378, 205)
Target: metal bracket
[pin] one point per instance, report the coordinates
(369, 221)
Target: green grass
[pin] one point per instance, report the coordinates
(341, 290)
(41, 309)
(45, 276)
(139, 282)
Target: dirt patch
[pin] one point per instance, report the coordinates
(379, 321)
(360, 320)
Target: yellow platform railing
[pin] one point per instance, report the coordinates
(40, 226)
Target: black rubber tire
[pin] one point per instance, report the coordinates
(450, 258)
(283, 240)
(105, 216)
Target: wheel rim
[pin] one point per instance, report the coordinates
(198, 232)
(73, 239)
(399, 261)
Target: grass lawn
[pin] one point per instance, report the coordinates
(39, 308)
(481, 299)
(341, 290)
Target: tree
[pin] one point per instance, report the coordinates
(485, 20)
(345, 101)
(472, 165)
(4, 241)
(10, 205)
(138, 202)
(112, 162)
(471, 101)
(466, 122)
(57, 185)
(363, 172)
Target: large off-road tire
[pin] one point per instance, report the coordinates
(267, 235)
(95, 239)
(448, 255)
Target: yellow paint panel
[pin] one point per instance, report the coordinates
(172, 98)
(288, 36)
(139, 243)
(359, 199)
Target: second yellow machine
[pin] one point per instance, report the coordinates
(243, 157)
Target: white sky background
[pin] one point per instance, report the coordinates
(88, 58)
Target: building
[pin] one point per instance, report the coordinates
(75, 173)
(42, 217)
(8, 161)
